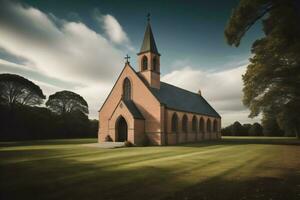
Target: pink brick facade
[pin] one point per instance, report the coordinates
(134, 113)
(190, 135)
(157, 122)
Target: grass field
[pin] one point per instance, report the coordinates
(234, 168)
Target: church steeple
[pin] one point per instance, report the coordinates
(148, 42)
(149, 58)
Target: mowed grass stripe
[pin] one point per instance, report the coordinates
(176, 172)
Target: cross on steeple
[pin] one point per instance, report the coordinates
(127, 58)
(148, 17)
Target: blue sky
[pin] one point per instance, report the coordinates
(80, 45)
(184, 30)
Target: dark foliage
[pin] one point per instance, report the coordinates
(236, 129)
(270, 128)
(246, 128)
(256, 130)
(226, 131)
(66, 102)
(17, 90)
(31, 123)
(22, 120)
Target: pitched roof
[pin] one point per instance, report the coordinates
(179, 99)
(172, 97)
(133, 109)
(148, 42)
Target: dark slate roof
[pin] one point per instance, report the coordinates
(148, 42)
(133, 109)
(182, 100)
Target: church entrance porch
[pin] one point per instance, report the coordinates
(125, 124)
(121, 130)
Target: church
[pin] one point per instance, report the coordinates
(142, 109)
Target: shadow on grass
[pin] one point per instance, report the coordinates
(49, 142)
(245, 140)
(236, 188)
(81, 173)
(258, 188)
(69, 179)
(255, 187)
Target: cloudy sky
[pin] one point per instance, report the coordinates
(80, 46)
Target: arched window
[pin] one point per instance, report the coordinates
(144, 63)
(126, 89)
(154, 64)
(215, 126)
(201, 125)
(174, 123)
(184, 123)
(208, 126)
(194, 124)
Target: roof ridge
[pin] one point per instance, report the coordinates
(181, 88)
(196, 95)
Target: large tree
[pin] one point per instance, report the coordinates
(272, 79)
(66, 102)
(15, 89)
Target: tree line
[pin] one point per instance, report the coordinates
(24, 117)
(267, 128)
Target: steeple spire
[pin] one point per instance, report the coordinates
(148, 42)
(149, 59)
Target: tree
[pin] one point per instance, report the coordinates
(236, 128)
(256, 130)
(15, 89)
(288, 117)
(226, 131)
(272, 79)
(270, 126)
(66, 102)
(246, 128)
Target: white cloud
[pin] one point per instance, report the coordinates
(113, 30)
(5, 63)
(69, 51)
(60, 54)
(222, 89)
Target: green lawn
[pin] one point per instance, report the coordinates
(234, 168)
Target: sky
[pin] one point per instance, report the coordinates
(80, 46)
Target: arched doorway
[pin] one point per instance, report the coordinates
(121, 130)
